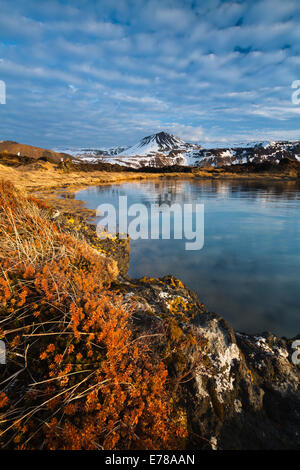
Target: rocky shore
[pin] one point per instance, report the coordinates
(240, 391)
(220, 389)
(245, 392)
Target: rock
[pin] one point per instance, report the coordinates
(244, 391)
(251, 398)
(114, 247)
(119, 250)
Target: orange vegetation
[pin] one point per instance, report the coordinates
(78, 376)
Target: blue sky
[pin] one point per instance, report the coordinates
(108, 72)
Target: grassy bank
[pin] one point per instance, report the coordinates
(79, 374)
(43, 175)
(49, 181)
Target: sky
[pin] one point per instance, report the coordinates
(109, 72)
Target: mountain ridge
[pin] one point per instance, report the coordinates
(273, 152)
(164, 149)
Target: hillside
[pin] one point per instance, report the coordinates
(90, 380)
(90, 155)
(31, 151)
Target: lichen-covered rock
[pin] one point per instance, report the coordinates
(251, 397)
(113, 247)
(243, 391)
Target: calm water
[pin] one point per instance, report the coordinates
(249, 268)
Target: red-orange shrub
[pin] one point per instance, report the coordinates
(77, 376)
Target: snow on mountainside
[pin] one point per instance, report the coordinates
(163, 149)
(258, 153)
(158, 143)
(90, 154)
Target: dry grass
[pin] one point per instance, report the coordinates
(78, 376)
(29, 236)
(48, 177)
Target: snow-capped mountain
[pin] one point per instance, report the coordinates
(158, 143)
(157, 150)
(257, 153)
(163, 149)
(92, 155)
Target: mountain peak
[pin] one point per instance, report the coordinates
(160, 149)
(163, 140)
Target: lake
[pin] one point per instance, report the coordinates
(248, 270)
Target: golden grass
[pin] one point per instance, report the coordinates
(78, 375)
(46, 180)
(46, 176)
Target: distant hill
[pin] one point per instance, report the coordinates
(89, 154)
(32, 152)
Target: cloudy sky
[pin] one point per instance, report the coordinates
(108, 72)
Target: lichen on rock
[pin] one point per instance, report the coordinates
(243, 391)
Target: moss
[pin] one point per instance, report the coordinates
(178, 362)
(175, 330)
(217, 405)
(178, 306)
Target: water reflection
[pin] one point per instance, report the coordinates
(249, 268)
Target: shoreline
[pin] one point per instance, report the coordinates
(46, 176)
(63, 197)
(225, 382)
(59, 187)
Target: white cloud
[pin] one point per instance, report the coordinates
(186, 132)
(122, 69)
